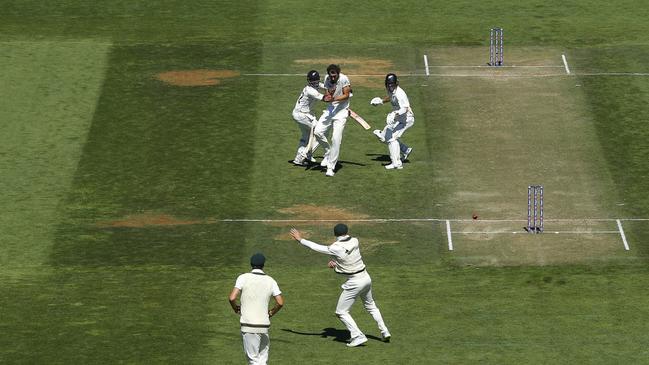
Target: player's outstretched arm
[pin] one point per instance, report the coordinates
(297, 235)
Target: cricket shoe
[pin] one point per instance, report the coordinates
(299, 162)
(385, 336)
(407, 153)
(393, 167)
(330, 172)
(377, 133)
(357, 341)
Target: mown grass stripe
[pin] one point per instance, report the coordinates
(47, 103)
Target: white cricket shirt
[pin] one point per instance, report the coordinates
(337, 90)
(256, 290)
(345, 252)
(307, 99)
(400, 105)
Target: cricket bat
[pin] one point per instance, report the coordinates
(359, 119)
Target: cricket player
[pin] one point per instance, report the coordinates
(335, 115)
(305, 118)
(346, 260)
(256, 288)
(397, 121)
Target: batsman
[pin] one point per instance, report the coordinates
(397, 122)
(305, 118)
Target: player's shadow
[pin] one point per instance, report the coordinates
(379, 157)
(382, 158)
(315, 166)
(338, 335)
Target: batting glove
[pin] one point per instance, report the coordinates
(389, 119)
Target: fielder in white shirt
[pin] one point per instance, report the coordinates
(397, 122)
(335, 115)
(346, 260)
(306, 119)
(256, 289)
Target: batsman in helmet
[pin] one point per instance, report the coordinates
(305, 118)
(397, 122)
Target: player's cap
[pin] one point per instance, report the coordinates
(340, 230)
(257, 260)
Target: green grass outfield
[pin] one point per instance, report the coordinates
(131, 204)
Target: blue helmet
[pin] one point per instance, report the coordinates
(391, 82)
(313, 78)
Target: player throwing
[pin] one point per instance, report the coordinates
(397, 121)
(346, 260)
(305, 118)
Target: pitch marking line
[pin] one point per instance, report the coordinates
(378, 220)
(565, 63)
(619, 226)
(492, 67)
(448, 235)
(591, 74)
(545, 232)
(426, 64)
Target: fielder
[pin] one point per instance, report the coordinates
(256, 289)
(346, 260)
(305, 118)
(335, 115)
(397, 122)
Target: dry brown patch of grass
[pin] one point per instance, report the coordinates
(325, 212)
(368, 72)
(147, 219)
(195, 77)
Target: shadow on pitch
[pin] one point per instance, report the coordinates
(382, 158)
(379, 157)
(336, 334)
(315, 166)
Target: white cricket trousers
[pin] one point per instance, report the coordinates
(326, 121)
(358, 286)
(305, 122)
(256, 346)
(392, 138)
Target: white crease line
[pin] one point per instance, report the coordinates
(565, 63)
(448, 235)
(491, 67)
(426, 64)
(492, 75)
(619, 226)
(614, 74)
(546, 232)
(474, 221)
